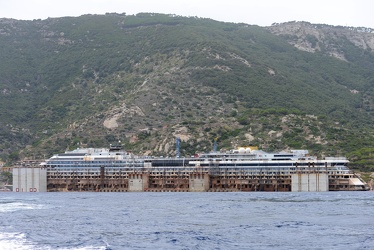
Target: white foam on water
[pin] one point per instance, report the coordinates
(88, 248)
(16, 241)
(16, 206)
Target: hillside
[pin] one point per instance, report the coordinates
(146, 79)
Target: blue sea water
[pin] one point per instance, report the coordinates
(330, 220)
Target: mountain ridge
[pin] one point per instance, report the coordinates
(148, 78)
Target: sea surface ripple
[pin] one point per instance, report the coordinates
(255, 220)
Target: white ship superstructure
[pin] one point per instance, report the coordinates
(243, 169)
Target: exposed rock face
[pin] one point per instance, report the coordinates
(324, 38)
(118, 112)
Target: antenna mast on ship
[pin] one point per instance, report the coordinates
(215, 145)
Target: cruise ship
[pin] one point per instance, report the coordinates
(243, 169)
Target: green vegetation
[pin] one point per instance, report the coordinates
(6, 178)
(63, 80)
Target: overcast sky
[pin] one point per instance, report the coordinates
(260, 12)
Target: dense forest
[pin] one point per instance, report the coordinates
(146, 79)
